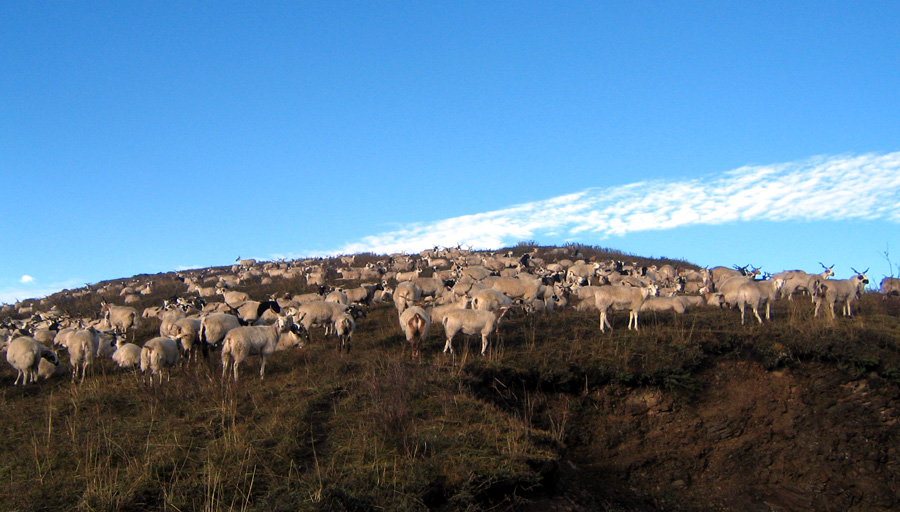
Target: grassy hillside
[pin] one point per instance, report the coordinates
(692, 413)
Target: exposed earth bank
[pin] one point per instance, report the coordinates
(811, 437)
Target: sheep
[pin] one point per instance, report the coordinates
(693, 301)
(405, 295)
(840, 290)
(167, 322)
(44, 336)
(127, 355)
(890, 286)
(729, 287)
(719, 275)
(187, 332)
(471, 321)
(338, 295)
(48, 369)
(581, 273)
(250, 340)
(250, 311)
(402, 277)
(437, 312)
(158, 356)
(106, 343)
(214, 326)
(524, 290)
(415, 322)
(122, 318)
(474, 273)
(798, 280)
(621, 297)
(62, 337)
(319, 314)
(82, 346)
(465, 289)
(674, 304)
(344, 325)
(432, 286)
(24, 353)
(234, 298)
(755, 293)
(247, 263)
(152, 312)
(490, 299)
(364, 294)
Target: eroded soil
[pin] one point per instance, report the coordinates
(807, 438)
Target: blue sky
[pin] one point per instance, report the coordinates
(144, 137)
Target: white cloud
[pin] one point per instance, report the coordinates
(12, 294)
(864, 187)
(26, 279)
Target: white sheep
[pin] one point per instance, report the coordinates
(82, 347)
(24, 353)
(123, 319)
(798, 280)
(756, 293)
(158, 356)
(344, 325)
(844, 291)
(338, 295)
(186, 332)
(245, 263)
(471, 321)
(234, 298)
(319, 314)
(463, 290)
(127, 355)
(729, 287)
(402, 277)
(431, 286)
(474, 273)
(405, 295)
(364, 294)
(890, 286)
(490, 299)
(167, 322)
(251, 340)
(437, 312)
(524, 290)
(674, 304)
(621, 297)
(415, 322)
(62, 337)
(215, 326)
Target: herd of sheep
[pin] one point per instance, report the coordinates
(464, 291)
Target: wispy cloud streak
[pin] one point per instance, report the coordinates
(865, 187)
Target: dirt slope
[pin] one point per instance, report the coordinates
(809, 438)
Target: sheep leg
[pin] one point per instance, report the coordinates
(484, 343)
(262, 366)
(756, 312)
